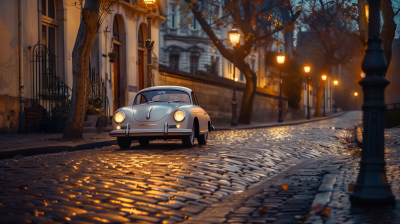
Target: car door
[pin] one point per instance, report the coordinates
(201, 115)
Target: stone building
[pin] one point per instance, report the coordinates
(37, 40)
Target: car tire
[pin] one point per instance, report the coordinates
(124, 142)
(144, 142)
(202, 139)
(188, 141)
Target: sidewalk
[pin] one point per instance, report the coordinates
(32, 144)
(274, 124)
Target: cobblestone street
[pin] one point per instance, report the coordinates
(165, 182)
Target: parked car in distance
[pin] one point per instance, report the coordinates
(162, 112)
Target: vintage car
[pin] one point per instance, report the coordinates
(162, 112)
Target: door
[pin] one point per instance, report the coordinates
(116, 81)
(141, 70)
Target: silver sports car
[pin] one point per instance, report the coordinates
(162, 112)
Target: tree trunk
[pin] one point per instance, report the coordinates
(80, 69)
(321, 87)
(246, 110)
(388, 28)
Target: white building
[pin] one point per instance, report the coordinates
(30, 75)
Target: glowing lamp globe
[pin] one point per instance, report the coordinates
(234, 36)
(149, 2)
(335, 82)
(362, 75)
(281, 57)
(307, 68)
(324, 77)
(355, 94)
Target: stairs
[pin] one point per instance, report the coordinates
(89, 126)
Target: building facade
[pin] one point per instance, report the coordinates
(37, 38)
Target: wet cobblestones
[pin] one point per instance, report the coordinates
(165, 183)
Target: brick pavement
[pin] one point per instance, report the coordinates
(164, 183)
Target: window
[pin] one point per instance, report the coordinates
(161, 96)
(194, 98)
(174, 61)
(49, 25)
(194, 61)
(194, 23)
(141, 41)
(173, 15)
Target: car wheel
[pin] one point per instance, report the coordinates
(144, 142)
(188, 141)
(202, 139)
(124, 142)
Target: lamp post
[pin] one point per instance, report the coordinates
(307, 69)
(281, 59)
(323, 111)
(355, 100)
(372, 187)
(149, 43)
(335, 83)
(234, 37)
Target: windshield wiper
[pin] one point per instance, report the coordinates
(153, 101)
(175, 101)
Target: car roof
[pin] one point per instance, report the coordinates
(180, 88)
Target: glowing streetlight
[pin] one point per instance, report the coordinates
(234, 37)
(281, 59)
(149, 43)
(323, 77)
(362, 75)
(149, 4)
(335, 82)
(307, 69)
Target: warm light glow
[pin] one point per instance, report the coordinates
(307, 68)
(118, 127)
(149, 2)
(234, 36)
(179, 116)
(355, 94)
(324, 77)
(236, 79)
(281, 57)
(367, 11)
(119, 117)
(178, 126)
(362, 75)
(335, 82)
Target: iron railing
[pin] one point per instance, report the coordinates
(393, 106)
(48, 90)
(98, 96)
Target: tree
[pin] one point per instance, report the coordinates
(333, 25)
(390, 10)
(92, 15)
(254, 19)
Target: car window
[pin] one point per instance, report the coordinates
(194, 98)
(163, 96)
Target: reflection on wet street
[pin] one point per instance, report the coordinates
(163, 183)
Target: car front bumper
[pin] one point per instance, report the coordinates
(162, 133)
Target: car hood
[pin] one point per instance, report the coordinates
(157, 111)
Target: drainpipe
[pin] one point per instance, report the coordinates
(20, 75)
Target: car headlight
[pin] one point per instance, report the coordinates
(179, 116)
(119, 117)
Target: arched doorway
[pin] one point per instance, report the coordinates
(141, 58)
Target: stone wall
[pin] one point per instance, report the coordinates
(215, 95)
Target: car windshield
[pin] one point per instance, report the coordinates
(161, 96)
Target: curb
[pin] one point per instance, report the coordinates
(278, 124)
(53, 149)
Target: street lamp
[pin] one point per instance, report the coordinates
(323, 111)
(335, 83)
(307, 69)
(281, 59)
(372, 187)
(234, 37)
(149, 43)
(362, 75)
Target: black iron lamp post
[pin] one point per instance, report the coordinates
(372, 187)
(149, 43)
(307, 69)
(335, 83)
(355, 100)
(281, 59)
(234, 37)
(323, 109)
